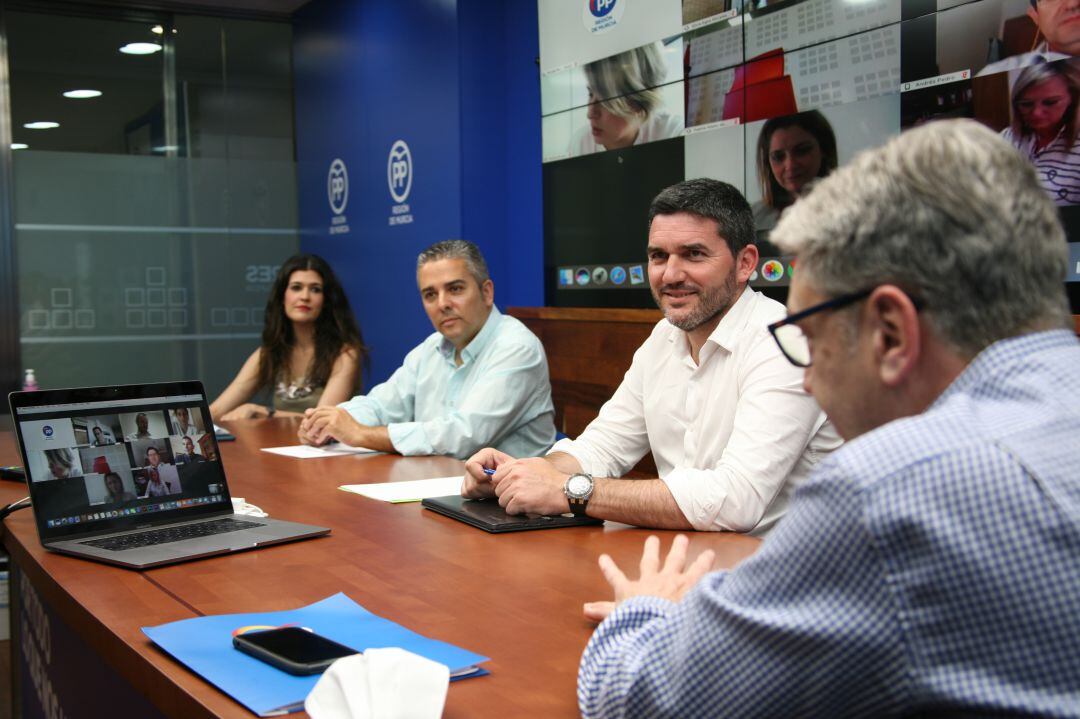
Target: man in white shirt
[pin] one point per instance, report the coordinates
(481, 379)
(1058, 22)
(102, 438)
(709, 393)
(142, 428)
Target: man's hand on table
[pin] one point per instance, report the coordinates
(523, 486)
(323, 424)
(672, 580)
(477, 483)
(530, 486)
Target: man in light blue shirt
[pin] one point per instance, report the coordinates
(481, 379)
(930, 565)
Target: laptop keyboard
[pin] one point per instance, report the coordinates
(172, 534)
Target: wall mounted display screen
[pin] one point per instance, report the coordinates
(769, 95)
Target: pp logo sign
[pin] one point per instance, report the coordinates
(600, 8)
(602, 15)
(337, 186)
(47, 430)
(399, 171)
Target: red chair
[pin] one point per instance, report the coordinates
(761, 90)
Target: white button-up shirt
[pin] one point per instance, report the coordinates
(732, 435)
(1041, 53)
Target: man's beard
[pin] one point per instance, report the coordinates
(710, 303)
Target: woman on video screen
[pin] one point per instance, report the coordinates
(792, 152)
(1044, 126)
(311, 346)
(114, 487)
(62, 463)
(625, 105)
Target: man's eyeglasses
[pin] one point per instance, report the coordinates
(790, 338)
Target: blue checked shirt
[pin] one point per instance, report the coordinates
(499, 397)
(930, 566)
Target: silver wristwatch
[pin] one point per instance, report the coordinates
(578, 490)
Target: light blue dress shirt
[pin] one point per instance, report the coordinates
(499, 397)
(929, 567)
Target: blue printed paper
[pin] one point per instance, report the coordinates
(205, 646)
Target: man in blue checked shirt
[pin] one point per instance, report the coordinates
(480, 379)
(932, 564)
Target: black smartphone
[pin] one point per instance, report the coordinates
(292, 649)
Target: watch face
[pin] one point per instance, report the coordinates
(579, 486)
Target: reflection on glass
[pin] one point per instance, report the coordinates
(148, 225)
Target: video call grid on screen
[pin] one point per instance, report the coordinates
(709, 59)
(91, 465)
(853, 77)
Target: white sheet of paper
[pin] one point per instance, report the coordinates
(412, 491)
(303, 451)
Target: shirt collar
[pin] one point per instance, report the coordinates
(726, 334)
(1029, 140)
(478, 343)
(1004, 354)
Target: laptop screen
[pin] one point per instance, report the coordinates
(104, 459)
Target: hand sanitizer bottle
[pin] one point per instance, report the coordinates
(29, 382)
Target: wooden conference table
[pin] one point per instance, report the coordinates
(516, 597)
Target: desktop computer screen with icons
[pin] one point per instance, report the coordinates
(768, 96)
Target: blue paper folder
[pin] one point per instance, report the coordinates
(205, 645)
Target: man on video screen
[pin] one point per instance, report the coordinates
(1058, 35)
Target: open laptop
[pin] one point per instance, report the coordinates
(490, 517)
(132, 476)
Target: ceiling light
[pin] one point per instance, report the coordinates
(140, 48)
(157, 30)
(82, 94)
(41, 125)
(19, 146)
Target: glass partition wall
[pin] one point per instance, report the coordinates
(153, 192)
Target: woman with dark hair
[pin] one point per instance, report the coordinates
(311, 347)
(792, 151)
